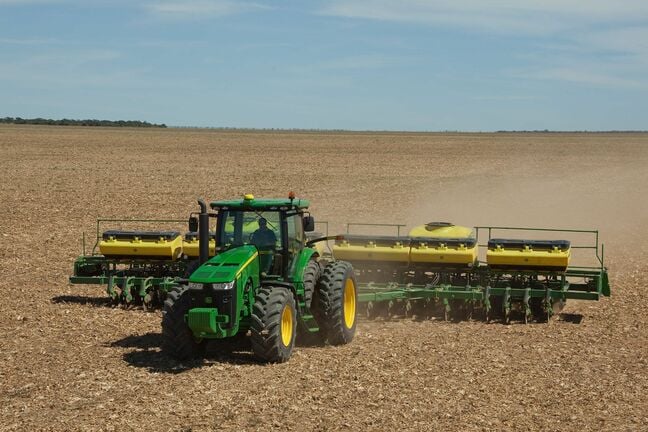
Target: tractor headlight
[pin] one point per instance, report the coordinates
(223, 286)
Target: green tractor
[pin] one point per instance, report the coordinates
(268, 284)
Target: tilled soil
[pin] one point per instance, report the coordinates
(68, 361)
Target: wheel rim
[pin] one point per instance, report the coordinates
(349, 303)
(286, 325)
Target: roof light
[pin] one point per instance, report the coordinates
(291, 195)
(248, 197)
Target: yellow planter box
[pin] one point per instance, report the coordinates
(443, 243)
(372, 248)
(141, 244)
(190, 245)
(444, 251)
(528, 254)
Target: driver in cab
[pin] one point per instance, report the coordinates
(264, 238)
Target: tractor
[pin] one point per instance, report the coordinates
(265, 281)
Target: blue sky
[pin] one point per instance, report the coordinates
(413, 65)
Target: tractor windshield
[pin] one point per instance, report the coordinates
(259, 228)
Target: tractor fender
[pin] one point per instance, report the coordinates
(302, 261)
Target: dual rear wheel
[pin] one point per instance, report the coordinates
(333, 304)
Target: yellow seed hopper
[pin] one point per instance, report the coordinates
(443, 243)
(440, 243)
(141, 244)
(190, 245)
(356, 248)
(528, 254)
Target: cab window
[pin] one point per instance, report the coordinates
(239, 228)
(295, 238)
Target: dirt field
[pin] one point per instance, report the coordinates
(80, 365)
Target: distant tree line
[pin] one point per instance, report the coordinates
(89, 122)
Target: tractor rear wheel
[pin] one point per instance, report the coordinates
(311, 275)
(177, 338)
(335, 303)
(306, 335)
(274, 324)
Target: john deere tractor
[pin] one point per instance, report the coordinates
(265, 280)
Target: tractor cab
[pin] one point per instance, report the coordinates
(275, 227)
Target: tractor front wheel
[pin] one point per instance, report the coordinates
(274, 324)
(177, 338)
(335, 303)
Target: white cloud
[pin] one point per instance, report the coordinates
(598, 42)
(166, 8)
(201, 8)
(528, 16)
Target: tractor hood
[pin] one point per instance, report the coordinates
(225, 267)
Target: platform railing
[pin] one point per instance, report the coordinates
(598, 247)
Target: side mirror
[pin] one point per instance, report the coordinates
(193, 224)
(309, 223)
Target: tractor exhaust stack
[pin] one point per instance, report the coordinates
(203, 232)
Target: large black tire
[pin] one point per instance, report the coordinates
(335, 303)
(177, 339)
(311, 275)
(274, 324)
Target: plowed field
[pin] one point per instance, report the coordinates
(70, 362)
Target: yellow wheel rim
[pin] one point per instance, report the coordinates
(286, 325)
(349, 303)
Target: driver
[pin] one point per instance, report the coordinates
(264, 238)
